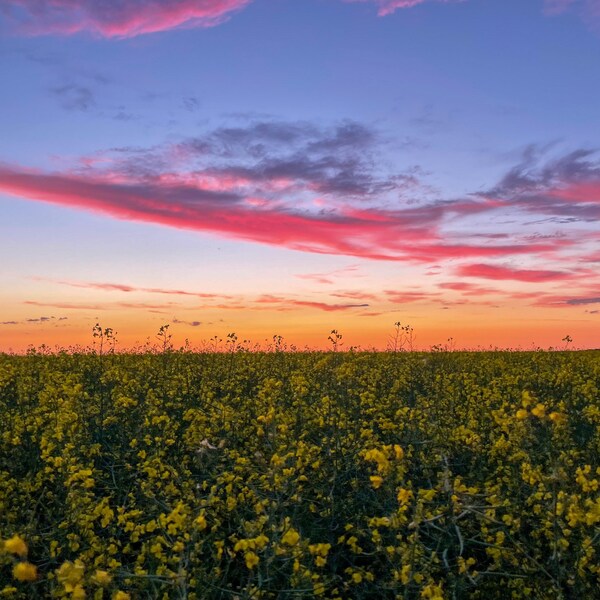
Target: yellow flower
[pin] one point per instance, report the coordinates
(539, 410)
(526, 399)
(251, 559)
(432, 592)
(376, 481)
(522, 414)
(16, 545)
(102, 578)
(404, 496)
(380, 458)
(70, 574)
(319, 549)
(9, 590)
(119, 595)
(356, 577)
(557, 417)
(319, 589)
(398, 452)
(201, 523)
(78, 592)
(290, 537)
(25, 571)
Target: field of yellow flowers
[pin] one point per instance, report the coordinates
(442, 475)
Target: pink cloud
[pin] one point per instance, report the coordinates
(444, 251)
(405, 234)
(110, 287)
(468, 289)
(83, 306)
(321, 278)
(562, 301)
(327, 278)
(241, 198)
(387, 7)
(120, 287)
(588, 10)
(130, 18)
(327, 307)
(65, 305)
(496, 272)
(553, 7)
(117, 18)
(355, 295)
(144, 305)
(371, 234)
(408, 297)
(587, 192)
(283, 303)
(263, 302)
(230, 306)
(594, 257)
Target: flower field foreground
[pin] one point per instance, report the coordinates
(300, 475)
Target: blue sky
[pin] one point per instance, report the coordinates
(446, 149)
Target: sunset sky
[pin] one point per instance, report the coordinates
(294, 166)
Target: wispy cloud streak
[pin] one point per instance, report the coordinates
(117, 18)
(588, 10)
(387, 7)
(405, 234)
(498, 272)
(121, 287)
(130, 18)
(284, 303)
(120, 19)
(314, 188)
(189, 323)
(567, 186)
(583, 301)
(34, 321)
(98, 306)
(329, 277)
(226, 301)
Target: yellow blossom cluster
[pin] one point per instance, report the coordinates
(300, 475)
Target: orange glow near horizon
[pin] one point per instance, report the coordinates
(453, 327)
(377, 176)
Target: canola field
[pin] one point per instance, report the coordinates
(443, 475)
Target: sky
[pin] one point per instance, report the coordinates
(290, 167)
